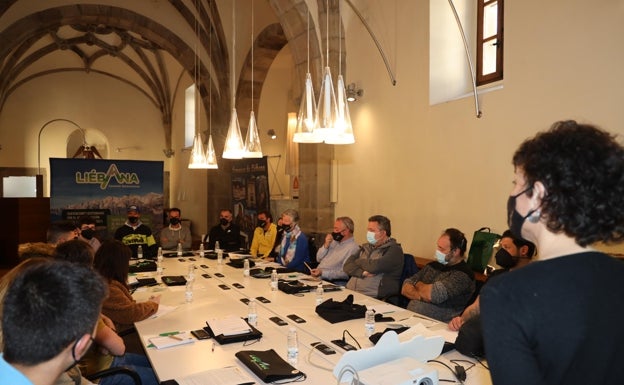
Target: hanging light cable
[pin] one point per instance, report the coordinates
(233, 141)
(343, 131)
(327, 109)
(252, 142)
(198, 157)
(306, 119)
(211, 155)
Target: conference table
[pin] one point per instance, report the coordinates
(219, 291)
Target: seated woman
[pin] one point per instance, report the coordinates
(112, 262)
(293, 252)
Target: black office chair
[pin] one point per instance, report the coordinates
(115, 371)
(409, 269)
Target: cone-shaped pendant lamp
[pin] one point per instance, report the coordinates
(234, 141)
(198, 157)
(343, 130)
(327, 109)
(253, 149)
(306, 119)
(211, 156)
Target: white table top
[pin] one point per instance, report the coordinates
(211, 301)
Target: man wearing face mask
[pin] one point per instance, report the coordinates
(264, 235)
(226, 232)
(442, 288)
(376, 268)
(513, 254)
(134, 233)
(86, 224)
(339, 245)
(175, 233)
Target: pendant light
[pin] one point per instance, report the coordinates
(306, 119)
(343, 130)
(233, 141)
(198, 157)
(327, 109)
(252, 142)
(211, 155)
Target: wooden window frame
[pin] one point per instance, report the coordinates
(499, 42)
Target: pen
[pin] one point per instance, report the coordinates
(308, 266)
(177, 337)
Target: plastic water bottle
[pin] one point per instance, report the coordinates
(188, 293)
(202, 252)
(191, 272)
(246, 268)
(140, 252)
(319, 294)
(219, 253)
(369, 323)
(179, 249)
(274, 285)
(252, 313)
(293, 347)
(159, 261)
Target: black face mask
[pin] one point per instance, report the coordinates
(337, 236)
(133, 219)
(223, 222)
(514, 219)
(174, 221)
(505, 260)
(87, 233)
(286, 228)
(261, 223)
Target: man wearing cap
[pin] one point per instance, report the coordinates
(134, 233)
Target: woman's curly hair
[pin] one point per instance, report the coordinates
(582, 168)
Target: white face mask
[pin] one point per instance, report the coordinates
(441, 257)
(370, 237)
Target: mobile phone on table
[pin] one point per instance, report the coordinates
(200, 334)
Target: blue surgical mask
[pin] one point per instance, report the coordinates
(370, 237)
(441, 257)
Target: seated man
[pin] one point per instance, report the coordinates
(514, 253)
(264, 235)
(339, 245)
(69, 298)
(376, 268)
(442, 288)
(134, 234)
(86, 225)
(226, 233)
(175, 233)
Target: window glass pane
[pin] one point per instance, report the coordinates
(490, 17)
(489, 57)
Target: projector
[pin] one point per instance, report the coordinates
(403, 371)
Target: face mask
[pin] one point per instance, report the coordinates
(337, 236)
(514, 219)
(261, 223)
(504, 259)
(223, 222)
(174, 221)
(87, 233)
(133, 219)
(441, 257)
(286, 228)
(370, 237)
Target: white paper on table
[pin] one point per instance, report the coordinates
(161, 342)
(229, 326)
(162, 310)
(383, 308)
(420, 329)
(230, 375)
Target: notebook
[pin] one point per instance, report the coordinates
(251, 333)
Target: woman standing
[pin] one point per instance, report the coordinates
(559, 320)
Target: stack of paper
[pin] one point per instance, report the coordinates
(229, 326)
(169, 340)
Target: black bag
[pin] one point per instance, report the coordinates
(481, 249)
(240, 263)
(254, 334)
(269, 366)
(142, 266)
(334, 312)
(174, 280)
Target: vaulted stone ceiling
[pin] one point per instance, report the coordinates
(126, 41)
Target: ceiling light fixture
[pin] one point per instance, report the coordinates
(353, 93)
(233, 142)
(211, 155)
(327, 109)
(253, 149)
(272, 134)
(197, 159)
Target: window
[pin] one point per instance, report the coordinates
(489, 41)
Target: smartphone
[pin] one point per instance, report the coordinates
(296, 318)
(238, 286)
(263, 300)
(224, 287)
(279, 321)
(245, 301)
(219, 275)
(203, 266)
(206, 275)
(323, 348)
(200, 334)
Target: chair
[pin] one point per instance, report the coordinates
(409, 269)
(114, 371)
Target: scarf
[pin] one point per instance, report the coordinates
(289, 245)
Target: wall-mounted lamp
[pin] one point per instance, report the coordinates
(272, 134)
(353, 94)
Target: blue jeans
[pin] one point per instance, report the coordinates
(136, 362)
